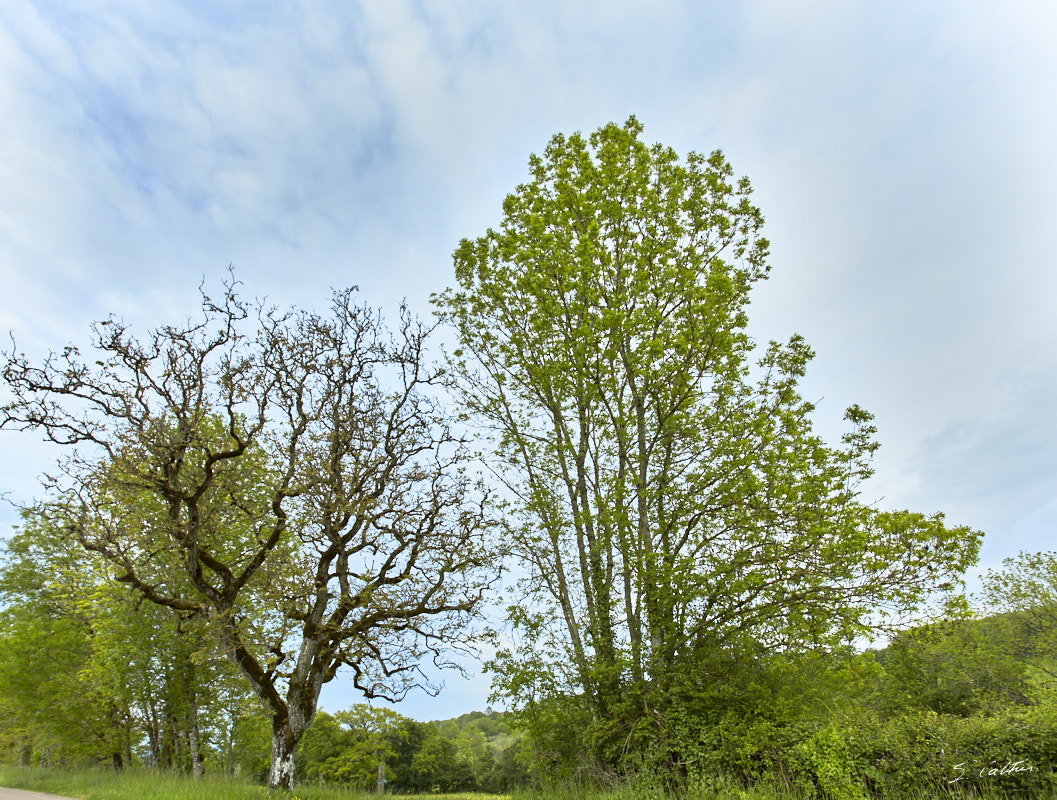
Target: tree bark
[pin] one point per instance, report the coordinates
(194, 743)
(193, 738)
(281, 772)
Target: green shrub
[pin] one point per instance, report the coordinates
(826, 758)
(921, 750)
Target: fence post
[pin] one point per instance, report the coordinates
(381, 778)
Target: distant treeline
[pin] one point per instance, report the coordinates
(479, 751)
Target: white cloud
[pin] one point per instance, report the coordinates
(902, 153)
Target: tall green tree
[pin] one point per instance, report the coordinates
(669, 496)
(368, 737)
(59, 701)
(286, 480)
(72, 640)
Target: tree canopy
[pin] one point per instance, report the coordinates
(669, 498)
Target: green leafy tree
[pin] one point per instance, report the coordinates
(474, 752)
(287, 481)
(406, 745)
(436, 765)
(961, 667)
(324, 739)
(58, 698)
(50, 707)
(249, 746)
(369, 737)
(156, 675)
(669, 497)
(1025, 589)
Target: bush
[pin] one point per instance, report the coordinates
(905, 755)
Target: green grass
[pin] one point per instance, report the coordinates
(149, 785)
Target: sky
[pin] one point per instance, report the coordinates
(902, 152)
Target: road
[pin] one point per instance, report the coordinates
(22, 794)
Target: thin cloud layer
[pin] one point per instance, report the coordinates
(901, 152)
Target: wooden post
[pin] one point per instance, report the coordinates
(381, 778)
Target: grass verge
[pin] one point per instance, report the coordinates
(152, 785)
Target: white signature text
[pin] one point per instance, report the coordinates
(994, 769)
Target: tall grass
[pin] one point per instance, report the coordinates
(129, 785)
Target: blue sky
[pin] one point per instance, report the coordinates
(902, 152)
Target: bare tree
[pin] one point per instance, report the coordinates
(287, 480)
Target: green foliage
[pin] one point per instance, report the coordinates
(831, 727)
(57, 697)
(358, 740)
(251, 745)
(93, 673)
(1026, 586)
(958, 667)
(1026, 581)
(901, 754)
(474, 752)
(436, 767)
(670, 500)
(828, 760)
